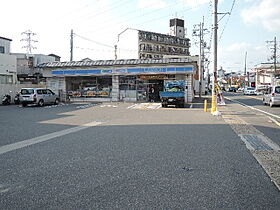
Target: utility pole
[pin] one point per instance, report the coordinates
(274, 57)
(71, 45)
(245, 69)
(215, 51)
(202, 45)
(116, 48)
(29, 41)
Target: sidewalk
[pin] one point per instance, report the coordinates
(254, 130)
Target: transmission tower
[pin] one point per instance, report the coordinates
(29, 41)
(273, 47)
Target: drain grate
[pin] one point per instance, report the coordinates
(256, 142)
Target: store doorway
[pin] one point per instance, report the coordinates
(154, 88)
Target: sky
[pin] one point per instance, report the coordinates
(97, 23)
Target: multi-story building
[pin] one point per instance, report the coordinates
(7, 63)
(139, 44)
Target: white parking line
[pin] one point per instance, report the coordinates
(28, 142)
(145, 106)
(267, 113)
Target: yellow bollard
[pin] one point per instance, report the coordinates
(214, 103)
(205, 106)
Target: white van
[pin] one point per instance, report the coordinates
(38, 96)
(272, 96)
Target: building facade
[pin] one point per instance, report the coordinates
(265, 75)
(7, 63)
(139, 44)
(26, 63)
(118, 80)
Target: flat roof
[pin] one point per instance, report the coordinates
(5, 38)
(120, 62)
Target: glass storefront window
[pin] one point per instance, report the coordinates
(90, 87)
(127, 82)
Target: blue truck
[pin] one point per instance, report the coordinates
(173, 94)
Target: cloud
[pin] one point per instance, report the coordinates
(151, 4)
(265, 12)
(193, 3)
(235, 47)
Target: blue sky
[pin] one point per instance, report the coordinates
(250, 25)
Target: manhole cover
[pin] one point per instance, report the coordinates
(256, 142)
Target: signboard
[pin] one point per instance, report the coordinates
(89, 93)
(142, 70)
(153, 77)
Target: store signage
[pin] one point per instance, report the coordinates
(146, 70)
(153, 77)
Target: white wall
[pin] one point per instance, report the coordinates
(8, 66)
(127, 46)
(6, 44)
(38, 59)
(6, 88)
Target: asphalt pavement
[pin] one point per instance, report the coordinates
(133, 159)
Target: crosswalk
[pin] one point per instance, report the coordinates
(145, 106)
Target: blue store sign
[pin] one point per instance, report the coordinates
(146, 70)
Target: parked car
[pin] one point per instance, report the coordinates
(232, 89)
(249, 91)
(38, 96)
(272, 96)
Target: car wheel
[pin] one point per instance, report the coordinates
(264, 102)
(270, 104)
(41, 103)
(56, 101)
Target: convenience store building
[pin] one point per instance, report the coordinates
(118, 80)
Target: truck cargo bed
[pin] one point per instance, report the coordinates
(169, 94)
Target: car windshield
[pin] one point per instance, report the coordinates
(250, 88)
(27, 91)
(277, 89)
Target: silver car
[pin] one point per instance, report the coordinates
(38, 96)
(272, 96)
(249, 91)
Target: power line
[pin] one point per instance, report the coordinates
(229, 14)
(90, 40)
(119, 4)
(145, 14)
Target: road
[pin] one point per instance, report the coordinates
(265, 116)
(254, 101)
(124, 156)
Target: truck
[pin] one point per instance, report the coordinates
(173, 94)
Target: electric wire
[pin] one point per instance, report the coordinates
(145, 14)
(90, 40)
(119, 4)
(233, 3)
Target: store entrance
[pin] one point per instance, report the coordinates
(154, 87)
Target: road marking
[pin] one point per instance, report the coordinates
(145, 106)
(272, 115)
(36, 140)
(255, 97)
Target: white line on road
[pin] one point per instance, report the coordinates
(28, 142)
(272, 115)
